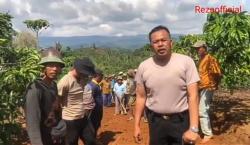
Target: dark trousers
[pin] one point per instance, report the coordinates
(46, 137)
(167, 130)
(107, 99)
(96, 117)
(80, 128)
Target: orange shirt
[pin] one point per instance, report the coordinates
(210, 73)
(106, 87)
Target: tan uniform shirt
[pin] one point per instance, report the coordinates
(167, 85)
(76, 99)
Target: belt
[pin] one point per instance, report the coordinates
(167, 116)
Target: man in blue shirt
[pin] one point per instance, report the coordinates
(119, 91)
(97, 113)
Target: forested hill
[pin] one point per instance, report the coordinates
(128, 42)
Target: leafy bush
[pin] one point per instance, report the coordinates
(14, 77)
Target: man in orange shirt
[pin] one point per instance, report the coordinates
(210, 75)
(106, 91)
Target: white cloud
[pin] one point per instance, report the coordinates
(212, 2)
(111, 17)
(68, 31)
(150, 16)
(171, 18)
(119, 35)
(106, 27)
(20, 6)
(153, 5)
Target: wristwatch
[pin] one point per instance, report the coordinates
(194, 129)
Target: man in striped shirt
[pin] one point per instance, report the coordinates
(210, 75)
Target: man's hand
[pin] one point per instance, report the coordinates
(137, 135)
(139, 107)
(190, 137)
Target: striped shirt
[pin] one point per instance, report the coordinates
(210, 73)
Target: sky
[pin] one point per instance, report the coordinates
(113, 17)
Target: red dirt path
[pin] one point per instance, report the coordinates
(230, 115)
(230, 121)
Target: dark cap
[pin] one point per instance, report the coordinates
(84, 66)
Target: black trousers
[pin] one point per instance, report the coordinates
(46, 137)
(167, 130)
(96, 117)
(80, 128)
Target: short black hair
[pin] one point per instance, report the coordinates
(98, 72)
(158, 28)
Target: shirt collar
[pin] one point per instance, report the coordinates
(94, 81)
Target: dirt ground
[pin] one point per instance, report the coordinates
(230, 121)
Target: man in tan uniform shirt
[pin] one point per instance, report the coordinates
(77, 101)
(167, 85)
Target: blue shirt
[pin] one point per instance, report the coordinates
(96, 92)
(119, 89)
(112, 83)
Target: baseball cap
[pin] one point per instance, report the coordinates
(199, 43)
(84, 66)
(120, 73)
(119, 78)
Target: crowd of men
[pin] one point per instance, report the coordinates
(167, 89)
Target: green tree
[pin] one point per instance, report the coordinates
(68, 48)
(6, 31)
(37, 26)
(184, 45)
(14, 79)
(229, 37)
(18, 66)
(111, 61)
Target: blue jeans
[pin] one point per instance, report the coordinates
(204, 108)
(107, 99)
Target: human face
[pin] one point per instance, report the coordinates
(161, 43)
(201, 51)
(83, 78)
(52, 70)
(119, 81)
(99, 78)
(124, 77)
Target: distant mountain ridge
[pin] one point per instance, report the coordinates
(127, 42)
